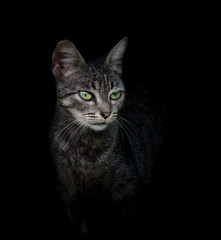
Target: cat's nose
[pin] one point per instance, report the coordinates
(105, 114)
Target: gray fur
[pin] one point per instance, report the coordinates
(113, 160)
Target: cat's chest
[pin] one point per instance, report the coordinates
(84, 174)
(89, 163)
(86, 154)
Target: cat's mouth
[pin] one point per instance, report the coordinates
(100, 123)
(98, 126)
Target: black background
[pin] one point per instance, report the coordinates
(161, 52)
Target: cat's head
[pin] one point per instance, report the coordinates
(91, 92)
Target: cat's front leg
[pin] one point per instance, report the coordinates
(76, 216)
(72, 206)
(125, 194)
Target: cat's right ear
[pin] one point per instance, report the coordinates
(115, 57)
(66, 59)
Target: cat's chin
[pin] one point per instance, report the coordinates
(98, 126)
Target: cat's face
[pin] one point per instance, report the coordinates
(94, 98)
(91, 94)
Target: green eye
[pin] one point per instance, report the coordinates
(115, 95)
(85, 96)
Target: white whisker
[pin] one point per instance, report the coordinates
(67, 126)
(131, 124)
(68, 130)
(80, 134)
(130, 130)
(122, 134)
(122, 126)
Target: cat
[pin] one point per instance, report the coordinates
(103, 137)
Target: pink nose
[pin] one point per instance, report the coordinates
(105, 114)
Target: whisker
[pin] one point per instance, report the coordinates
(130, 123)
(114, 117)
(68, 130)
(122, 134)
(91, 117)
(58, 124)
(81, 131)
(87, 114)
(130, 129)
(121, 125)
(75, 129)
(68, 125)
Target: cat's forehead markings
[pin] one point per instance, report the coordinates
(116, 84)
(99, 77)
(93, 85)
(94, 77)
(112, 84)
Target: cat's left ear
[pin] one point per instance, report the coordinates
(115, 57)
(66, 59)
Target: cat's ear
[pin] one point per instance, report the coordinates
(115, 56)
(66, 59)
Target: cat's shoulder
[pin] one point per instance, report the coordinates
(140, 97)
(142, 103)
